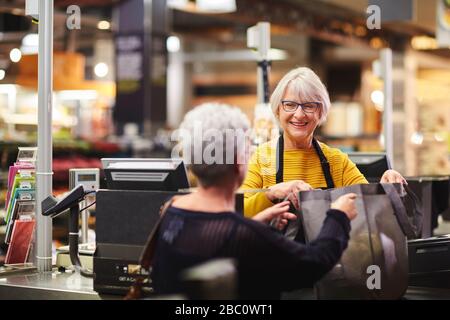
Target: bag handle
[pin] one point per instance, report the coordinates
(399, 210)
(418, 214)
(146, 259)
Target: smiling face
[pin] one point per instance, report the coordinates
(298, 126)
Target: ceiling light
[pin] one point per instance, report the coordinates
(417, 138)
(376, 43)
(101, 69)
(103, 25)
(177, 4)
(360, 31)
(31, 39)
(216, 6)
(2, 74)
(348, 28)
(438, 137)
(15, 55)
(173, 44)
(30, 44)
(423, 43)
(17, 11)
(377, 98)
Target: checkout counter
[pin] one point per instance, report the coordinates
(124, 218)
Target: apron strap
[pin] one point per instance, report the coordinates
(280, 159)
(324, 164)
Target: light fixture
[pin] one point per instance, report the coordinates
(423, 43)
(377, 98)
(438, 137)
(216, 6)
(101, 69)
(376, 43)
(30, 44)
(103, 25)
(203, 6)
(348, 28)
(417, 138)
(2, 74)
(173, 44)
(17, 12)
(15, 55)
(360, 31)
(30, 40)
(177, 4)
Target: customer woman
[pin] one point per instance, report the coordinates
(203, 225)
(296, 161)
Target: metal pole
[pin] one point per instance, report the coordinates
(263, 60)
(84, 222)
(386, 66)
(44, 172)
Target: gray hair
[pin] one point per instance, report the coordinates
(307, 85)
(223, 123)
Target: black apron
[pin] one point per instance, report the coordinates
(294, 229)
(323, 162)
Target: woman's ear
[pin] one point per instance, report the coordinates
(320, 116)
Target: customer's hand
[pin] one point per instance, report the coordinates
(288, 190)
(346, 203)
(278, 212)
(392, 176)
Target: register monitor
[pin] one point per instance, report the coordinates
(145, 174)
(371, 164)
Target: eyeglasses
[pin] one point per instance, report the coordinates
(307, 107)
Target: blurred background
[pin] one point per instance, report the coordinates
(126, 72)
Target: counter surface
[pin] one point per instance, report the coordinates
(72, 286)
(53, 286)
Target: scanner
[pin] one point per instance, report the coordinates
(53, 208)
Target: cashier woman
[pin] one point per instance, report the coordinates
(203, 225)
(296, 161)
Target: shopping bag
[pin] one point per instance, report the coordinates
(375, 263)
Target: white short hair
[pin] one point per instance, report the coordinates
(219, 119)
(307, 85)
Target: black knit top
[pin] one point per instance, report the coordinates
(267, 262)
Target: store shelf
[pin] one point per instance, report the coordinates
(30, 119)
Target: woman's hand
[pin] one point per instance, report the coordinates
(288, 190)
(346, 203)
(392, 176)
(279, 212)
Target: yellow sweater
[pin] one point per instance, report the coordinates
(298, 165)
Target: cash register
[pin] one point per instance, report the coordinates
(371, 164)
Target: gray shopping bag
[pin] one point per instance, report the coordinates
(375, 263)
